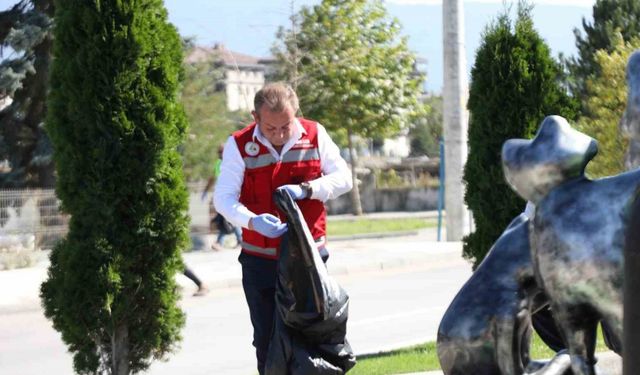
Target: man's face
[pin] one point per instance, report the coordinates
(277, 127)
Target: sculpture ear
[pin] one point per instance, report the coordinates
(630, 123)
(556, 154)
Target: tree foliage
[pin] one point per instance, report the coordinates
(606, 100)
(513, 87)
(608, 16)
(116, 125)
(351, 69)
(25, 31)
(426, 131)
(210, 123)
(354, 73)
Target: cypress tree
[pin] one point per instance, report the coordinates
(513, 87)
(115, 126)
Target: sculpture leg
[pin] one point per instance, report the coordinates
(611, 332)
(580, 332)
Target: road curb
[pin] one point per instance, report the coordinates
(366, 236)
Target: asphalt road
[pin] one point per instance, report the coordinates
(388, 309)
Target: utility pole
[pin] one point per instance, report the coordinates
(455, 94)
(294, 53)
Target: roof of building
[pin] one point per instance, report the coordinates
(227, 57)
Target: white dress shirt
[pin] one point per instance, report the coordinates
(336, 179)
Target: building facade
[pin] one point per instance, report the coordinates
(244, 75)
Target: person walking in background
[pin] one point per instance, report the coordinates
(202, 288)
(217, 221)
(277, 151)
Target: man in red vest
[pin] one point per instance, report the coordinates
(278, 150)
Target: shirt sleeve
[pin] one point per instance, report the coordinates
(228, 186)
(336, 179)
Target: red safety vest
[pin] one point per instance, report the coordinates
(263, 174)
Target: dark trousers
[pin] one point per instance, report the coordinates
(192, 276)
(259, 284)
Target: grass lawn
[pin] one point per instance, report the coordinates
(413, 359)
(361, 226)
(424, 357)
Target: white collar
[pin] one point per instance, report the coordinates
(298, 131)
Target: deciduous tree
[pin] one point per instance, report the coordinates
(606, 100)
(352, 70)
(210, 123)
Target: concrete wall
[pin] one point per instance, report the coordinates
(373, 200)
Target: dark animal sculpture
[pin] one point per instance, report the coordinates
(630, 124)
(577, 235)
(311, 308)
(576, 240)
(575, 263)
(486, 329)
(631, 325)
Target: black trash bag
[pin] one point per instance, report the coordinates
(311, 308)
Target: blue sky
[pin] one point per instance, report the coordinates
(249, 26)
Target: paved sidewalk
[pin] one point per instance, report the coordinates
(20, 287)
(418, 249)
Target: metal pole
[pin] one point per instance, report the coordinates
(441, 190)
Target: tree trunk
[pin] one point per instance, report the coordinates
(120, 350)
(355, 192)
(455, 117)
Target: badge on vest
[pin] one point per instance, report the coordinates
(252, 149)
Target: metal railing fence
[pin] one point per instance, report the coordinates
(30, 218)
